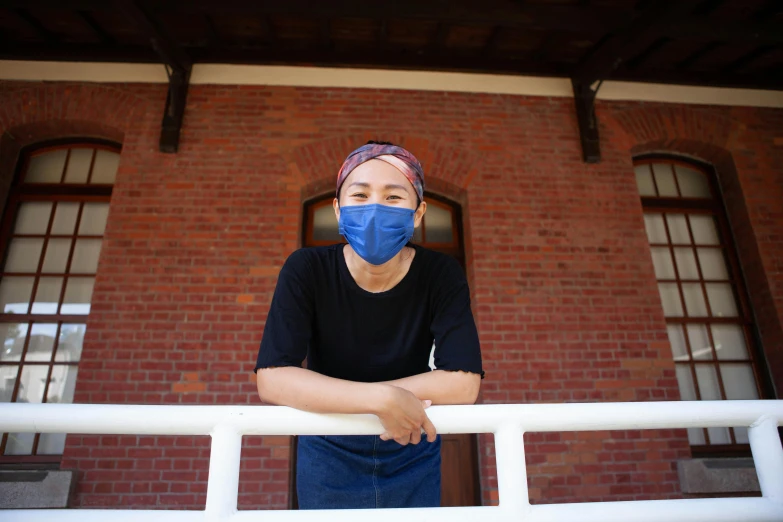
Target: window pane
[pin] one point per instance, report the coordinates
(656, 232)
(46, 167)
(739, 382)
(69, 348)
(105, 168)
(325, 226)
(47, 295)
(710, 390)
(704, 230)
(437, 225)
(670, 299)
(13, 335)
(51, 444)
(19, 443)
(85, 256)
(708, 382)
(696, 436)
(65, 218)
(62, 383)
(664, 178)
(15, 293)
(694, 300)
(741, 434)
(662, 261)
(32, 383)
(713, 266)
(700, 342)
(686, 264)
(685, 381)
(77, 295)
(94, 216)
(78, 166)
(678, 229)
(722, 301)
(41, 343)
(693, 184)
(677, 341)
(24, 255)
(56, 259)
(644, 180)
(33, 217)
(688, 393)
(729, 341)
(719, 435)
(7, 380)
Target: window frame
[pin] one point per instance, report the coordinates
(453, 248)
(21, 192)
(714, 207)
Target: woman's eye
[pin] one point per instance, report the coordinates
(394, 197)
(358, 195)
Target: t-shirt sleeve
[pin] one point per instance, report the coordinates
(453, 327)
(289, 323)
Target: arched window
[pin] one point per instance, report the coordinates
(708, 318)
(439, 229)
(52, 232)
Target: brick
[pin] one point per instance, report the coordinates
(188, 387)
(562, 283)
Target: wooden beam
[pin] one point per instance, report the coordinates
(580, 18)
(744, 61)
(212, 33)
(584, 101)
(163, 44)
(33, 22)
(491, 44)
(629, 40)
(697, 55)
(639, 59)
(104, 36)
(174, 111)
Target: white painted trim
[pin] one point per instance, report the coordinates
(223, 74)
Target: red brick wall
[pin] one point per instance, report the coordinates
(563, 286)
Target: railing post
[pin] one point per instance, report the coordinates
(223, 483)
(512, 472)
(768, 457)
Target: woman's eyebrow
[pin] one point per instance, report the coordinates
(391, 186)
(394, 186)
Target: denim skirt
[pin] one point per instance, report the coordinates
(363, 472)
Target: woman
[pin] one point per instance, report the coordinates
(365, 315)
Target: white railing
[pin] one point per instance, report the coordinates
(508, 422)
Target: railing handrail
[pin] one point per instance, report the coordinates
(227, 424)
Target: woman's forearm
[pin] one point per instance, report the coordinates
(310, 391)
(442, 386)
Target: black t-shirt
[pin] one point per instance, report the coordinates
(319, 312)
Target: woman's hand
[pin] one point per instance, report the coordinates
(403, 417)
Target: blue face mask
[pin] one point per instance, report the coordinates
(376, 232)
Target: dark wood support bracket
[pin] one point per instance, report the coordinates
(175, 110)
(178, 66)
(584, 98)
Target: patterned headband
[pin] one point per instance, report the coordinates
(395, 156)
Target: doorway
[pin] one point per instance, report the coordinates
(441, 230)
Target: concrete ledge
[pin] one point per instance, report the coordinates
(35, 489)
(705, 476)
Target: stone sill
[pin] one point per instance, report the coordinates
(35, 489)
(718, 476)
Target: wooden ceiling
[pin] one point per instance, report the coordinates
(704, 42)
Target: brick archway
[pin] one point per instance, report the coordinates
(712, 135)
